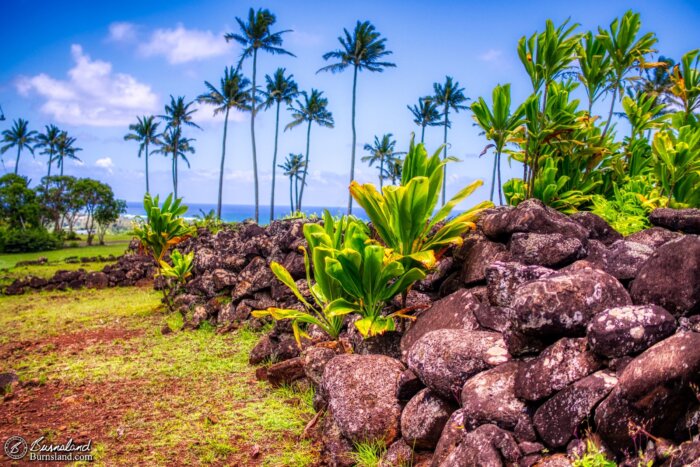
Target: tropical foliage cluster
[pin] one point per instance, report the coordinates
(349, 271)
(58, 203)
(574, 159)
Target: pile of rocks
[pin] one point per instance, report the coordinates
(552, 331)
(130, 269)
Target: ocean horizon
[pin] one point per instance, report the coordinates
(241, 212)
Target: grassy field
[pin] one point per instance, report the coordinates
(95, 364)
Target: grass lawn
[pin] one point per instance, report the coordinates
(94, 364)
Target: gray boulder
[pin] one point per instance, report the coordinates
(597, 227)
(361, 394)
(550, 250)
(625, 258)
(685, 220)
(487, 446)
(627, 330)
(424, 418)
(654, 237)
(502, 279)
(475, 254)
(445, 359)
(670, 278)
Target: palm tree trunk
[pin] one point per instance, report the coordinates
(296, 193)
(612, 105)
(422, 133)
(48, 175)
(444, 156)
(252, 136)
(381, 172)
(291, 197)
(306, 167)
(493, 177)
(174, 180)
(19, 149)
(221, 168)
(500, 186)
(147, 189)
(354, 138)
(62, 166)
(274, 163)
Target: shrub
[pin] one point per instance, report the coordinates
(27, 240)
(593, 457)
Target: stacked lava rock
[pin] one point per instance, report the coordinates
(557, 332)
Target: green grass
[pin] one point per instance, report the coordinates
(369, 454)
(191, 394)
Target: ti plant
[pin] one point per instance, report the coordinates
(329, 301)
(677, 164)
(404, 217)
(181, 268)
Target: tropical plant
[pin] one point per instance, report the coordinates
(677, 164)
(594, 65)
(393, 171)
(145, 132)
(626, 52)
(643, 114)
(594, 456)
(328, 298)
(500, 126)
(383, 153)
(19, 205)
(65, 150)
(209, 221)
(628, 209)
(177, 115)
(656, 82)
(425, 113)
(164, 226)
(231, 94)
(180, 270)
(20, 137)
(313, 109)
(451, 97)
(685, 80)
(280, 88)
(172, 144)
(403, 215)
(364, 49)
(294, 167)
(48, 141)
(255, 35)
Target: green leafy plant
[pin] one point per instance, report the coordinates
(369, 275)
(593, 457)
(329, 300)
(164, 226)
(677, 164)
(403, 215)
(208, 220)
(369, 454)
(181, 268)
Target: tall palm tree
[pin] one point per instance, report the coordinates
(393, 170)
(294, 167)
(280, 88)
(626, 53)
(255, 35)
(313, 109)
(381, 152)
(48, 141)
(362, 50)
(65, 150)
(173, 144)
(145, 131)
(177, 114)
(425, 113)
(499, 125)
(20, 137)
(451, 97)
(231, 94)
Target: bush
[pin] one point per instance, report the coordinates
(22, 241)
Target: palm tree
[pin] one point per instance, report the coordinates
(145, 131)
(363, 50)
(293, 167)
(381, 152)
(254, 35)
(499, 125)
(425, 113)
(20, 137)
(48, 141)
(626, 53)
(313, 109)
(65, 150)
(657, 82)
(280, 88)
(177, 114)
(451, 97)
(393, 170)
(173, 144)
(231, 94)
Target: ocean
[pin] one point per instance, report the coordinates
(241, 212)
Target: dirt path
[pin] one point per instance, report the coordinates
(94, 366)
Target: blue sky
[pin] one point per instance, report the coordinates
(91, 67)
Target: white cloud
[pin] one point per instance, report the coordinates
(181, 45)
(92, 95)
(304, 39)
(491, 55)
(122, 32)
(105, 163)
